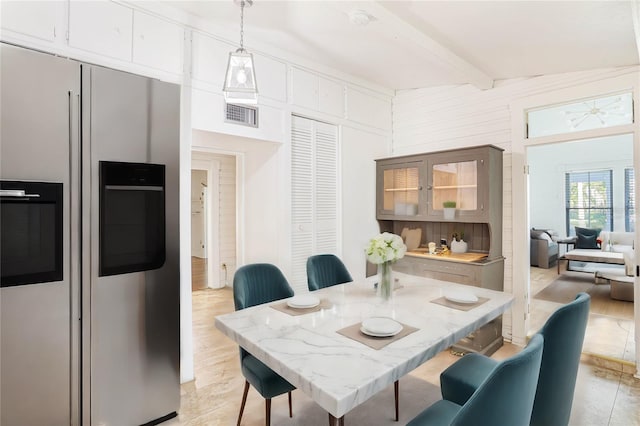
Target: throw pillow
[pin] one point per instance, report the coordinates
(535, 234)
(586, 242)
(586, 238)
(546, 236)
(549, 232)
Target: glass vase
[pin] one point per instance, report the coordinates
(385, 281)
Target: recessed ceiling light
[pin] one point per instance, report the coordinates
(361, 17)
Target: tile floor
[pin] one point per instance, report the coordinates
(609, 339)
(603, 396)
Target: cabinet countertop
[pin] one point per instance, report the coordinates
(469, 257)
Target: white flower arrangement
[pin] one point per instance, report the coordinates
(385, 247)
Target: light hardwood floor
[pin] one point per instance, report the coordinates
(603, 396)
(198, 273)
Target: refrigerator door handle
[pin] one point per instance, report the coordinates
(16, 193)
(133, 188)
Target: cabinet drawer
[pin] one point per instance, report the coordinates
(453, 272)
(469, 274)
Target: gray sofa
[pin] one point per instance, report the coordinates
(543, 248)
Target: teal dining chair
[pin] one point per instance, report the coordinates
(504, 398)
(325, 270)
(563, 337)
(256, 284)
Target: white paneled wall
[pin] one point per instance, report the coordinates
(227, 197)
(438, 118)
(152, 39)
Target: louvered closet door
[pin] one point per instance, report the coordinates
(314, 194)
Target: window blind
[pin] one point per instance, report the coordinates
(629, 201)
(589, 200)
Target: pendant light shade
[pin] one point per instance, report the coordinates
(240, 82)
(240, 86)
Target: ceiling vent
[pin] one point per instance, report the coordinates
(242, 114)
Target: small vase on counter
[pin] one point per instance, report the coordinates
(458, 245)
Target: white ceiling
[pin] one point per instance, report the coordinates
(412, 44)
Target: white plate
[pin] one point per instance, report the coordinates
(303, 301)
(372, 334)
(461, 296)
(381, 326)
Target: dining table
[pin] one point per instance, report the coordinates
(326, 353)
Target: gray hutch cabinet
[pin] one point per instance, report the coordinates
(412, 192)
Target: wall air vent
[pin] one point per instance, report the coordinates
(241, 114)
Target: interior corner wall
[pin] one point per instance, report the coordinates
(449, 117)
(359, 150)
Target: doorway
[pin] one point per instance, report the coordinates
(610, 327)
(213, 220)
(199, 229)
(204, 223)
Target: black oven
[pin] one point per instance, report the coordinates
(132, 217)
(31, 241)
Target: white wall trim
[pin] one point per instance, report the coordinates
(521, 276)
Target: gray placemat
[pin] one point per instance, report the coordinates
(353, 332)
(283, 307)
(460, 306)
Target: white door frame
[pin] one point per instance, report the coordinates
(211, 218)
(520, 185)
(202, 152)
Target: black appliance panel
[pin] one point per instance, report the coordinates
(31, 221)
(132, 217)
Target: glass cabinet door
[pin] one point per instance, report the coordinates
(454, 182)
(401, 190)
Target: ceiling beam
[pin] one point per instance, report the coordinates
(635, 13)
(407, 32)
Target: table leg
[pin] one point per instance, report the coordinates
(333, 421)
(396, 392)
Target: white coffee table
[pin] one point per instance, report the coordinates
(621, 286)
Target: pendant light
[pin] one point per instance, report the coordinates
(240, 85)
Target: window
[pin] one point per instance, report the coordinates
(629, 201)
(588, 198)
(586, 114)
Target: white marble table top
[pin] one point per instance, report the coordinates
(339, 373)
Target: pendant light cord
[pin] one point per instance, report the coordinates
(242, 26)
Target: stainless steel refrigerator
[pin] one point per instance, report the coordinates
(89, 244)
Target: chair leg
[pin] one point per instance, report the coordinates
(244, 400)
(396, 391)
(267, 412)
(290, 410)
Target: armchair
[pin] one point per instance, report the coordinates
(544, 250)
